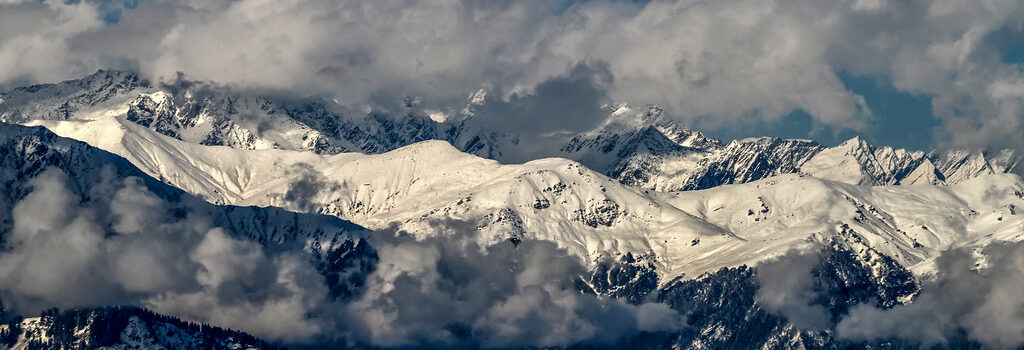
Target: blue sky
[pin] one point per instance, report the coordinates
(900, 119)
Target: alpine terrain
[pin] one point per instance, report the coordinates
(307, 224)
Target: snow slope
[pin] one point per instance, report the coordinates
(628, 276)
(911, 224)
(551, 199)
(29, 151)
(689, 232)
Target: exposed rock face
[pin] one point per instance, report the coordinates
(630, 277)
(960, 165)
(722, 310)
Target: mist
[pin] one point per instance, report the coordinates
(787, 288)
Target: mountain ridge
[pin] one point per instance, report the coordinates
(563, 201)
(683, 248)
(638, 147)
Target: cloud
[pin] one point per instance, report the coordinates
(716, 63)
(449, 291)
(975, 292)
(787, 287)
(125, 245)
(38, 38)
(972, 295)
(120, 243)
(277, 297)
(302, 191)
(563, 103)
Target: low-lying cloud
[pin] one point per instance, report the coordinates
(119, 243)
(976, 294)
(125, 245)
(787, 288)
(450, 291)
(973, 295)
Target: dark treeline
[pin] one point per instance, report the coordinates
(105, 326)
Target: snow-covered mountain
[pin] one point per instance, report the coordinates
(879, 217)
(98, 181)
(691, 257)
(660, 155)
(103, 89)
(682, 248)
(558, 200)
(29, 151)
(638, 147)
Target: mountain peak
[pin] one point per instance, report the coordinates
(855, 141)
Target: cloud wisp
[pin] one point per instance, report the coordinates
(787, 288)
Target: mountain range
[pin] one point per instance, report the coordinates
(654, 211)
(639, 147)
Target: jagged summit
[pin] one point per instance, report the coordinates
(64, 100)
(855, 161)
(636, 146)
(959, 165)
